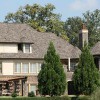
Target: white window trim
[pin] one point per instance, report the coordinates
(1, 68)
(30, 86)
(29, 72)
(22, 69)
(24, 48)
(36, 69)
(15, 66)
(29, 50)
(39, 64)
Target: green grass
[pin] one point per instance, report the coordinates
(70, 97)
(34, 98)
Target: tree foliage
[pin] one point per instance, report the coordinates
(74, 24)
(86, 76)
(41, 18)
(92, 20)
(72, 27)
(52, 79)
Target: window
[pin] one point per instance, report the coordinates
(73, 65)
(17, 67)
(32, 88)
(25, 67)
(33, 68)
(0, 67)
(39, 67)
(27, 48)
(20, 47)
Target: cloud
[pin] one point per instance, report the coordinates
(83, 5)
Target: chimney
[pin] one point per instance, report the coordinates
(83, 36)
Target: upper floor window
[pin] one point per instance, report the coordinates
(39, 67)
(72, 66)
(25, 67)
(33, 68)
(20, 47)
(17, 67)
(27, 48)
(0, 68)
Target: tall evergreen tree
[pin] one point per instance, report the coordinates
(86, 76)
(52, 79)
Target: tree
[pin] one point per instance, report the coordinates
(52, 79)
(72, 27)
(92, 20)
(41, 18)
(86, 76)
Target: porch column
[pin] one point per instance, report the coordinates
(20, 87)
(69, 64)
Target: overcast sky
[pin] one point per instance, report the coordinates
(67, 8)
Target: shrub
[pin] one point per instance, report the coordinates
(96, 95)
(31, 94)
(14, 94)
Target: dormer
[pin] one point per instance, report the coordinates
(25, 47)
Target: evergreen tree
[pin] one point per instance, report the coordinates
(52, 79)
(86, 76)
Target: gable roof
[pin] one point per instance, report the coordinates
(95, 50)
(14, 33)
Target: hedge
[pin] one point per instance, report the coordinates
(36, 98)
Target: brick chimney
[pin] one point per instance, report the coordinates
(83, 36)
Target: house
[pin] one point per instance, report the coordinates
(95, 50)
(22, 50)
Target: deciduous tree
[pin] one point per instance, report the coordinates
(41, 18)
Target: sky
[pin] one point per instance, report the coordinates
(67, 8)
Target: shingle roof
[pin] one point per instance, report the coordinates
(10, 77)
(30, 78)
(95, 50)
(13, 33)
